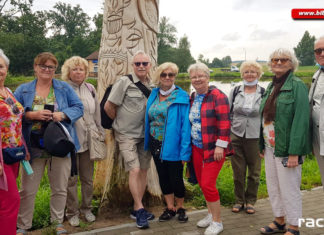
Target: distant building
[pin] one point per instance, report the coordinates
(93, 63)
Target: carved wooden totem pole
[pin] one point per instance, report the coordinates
(128, 26)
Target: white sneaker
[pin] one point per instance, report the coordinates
(214, 228)
(205, 222)
(74, 221)
(89, 216)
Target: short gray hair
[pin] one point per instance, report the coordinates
(5, 58)
(319, 39)
(140, 52)
(287, 53)
(199, 67)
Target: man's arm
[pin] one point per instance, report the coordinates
(110, 109)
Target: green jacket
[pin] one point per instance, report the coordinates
(291, 120)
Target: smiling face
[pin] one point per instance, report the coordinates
(280, 65)
(77, 74)
(199, 81)
(319, 56)
(3, 71)
(141, 65)
(45, 71)
(167, 78)
(250, 73)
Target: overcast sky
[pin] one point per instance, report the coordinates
(217, 28)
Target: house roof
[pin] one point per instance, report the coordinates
(93, 56)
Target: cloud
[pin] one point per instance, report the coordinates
(231, 36)
(242, 4)
(260, 34)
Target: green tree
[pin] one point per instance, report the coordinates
(166, 40)
(227, 61)
(217, 63)
(203, 60)
(68, 21)
(304, 50)
(183, 54)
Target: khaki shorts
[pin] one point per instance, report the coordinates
(132, 151)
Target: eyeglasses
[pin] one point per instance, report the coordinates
(12, 104)
(282, 60)
(138, 64)
(164, 75)
(44, 67)
(199, 77)
(318, 51)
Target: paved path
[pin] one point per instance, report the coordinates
(241, 223)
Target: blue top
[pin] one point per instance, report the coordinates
(67, 100)
(158, 113)
(176, 142)
(195, 120)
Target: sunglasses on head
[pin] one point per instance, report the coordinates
(138, 64)
(318, 51)
(164, 75)
(282, 60)
(12, 104)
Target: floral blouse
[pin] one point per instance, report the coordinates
(11, 112)
(269, 134)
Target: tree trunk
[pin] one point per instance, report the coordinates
(128, 26)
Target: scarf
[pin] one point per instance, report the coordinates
(269, 111)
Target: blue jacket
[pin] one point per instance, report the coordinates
(67, 100)
(176, 144)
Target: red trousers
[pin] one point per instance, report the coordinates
(9, 201)
(206, 174)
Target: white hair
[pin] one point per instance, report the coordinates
(319, 39)
(4, 57)
(284, 52)
(140, 52)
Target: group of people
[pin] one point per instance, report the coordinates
(155, 118)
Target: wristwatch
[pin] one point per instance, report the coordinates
(63, 116)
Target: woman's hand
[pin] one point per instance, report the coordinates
(1, 170)
(58, 116)
(40, 115)
(219, 153)
(261, 154)
(292, 161)
(27, 158)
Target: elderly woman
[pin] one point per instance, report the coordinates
(167, 135)
(245, 131)
(63, 105)
(11, 112)
(210, 134)
(284, 140)
(75, 71)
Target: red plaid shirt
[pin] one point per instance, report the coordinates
(215, 122)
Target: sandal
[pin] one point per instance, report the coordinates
(60, 229)
(21, 231)
(293, 231)
(280, 228)
(237, 208)
(249, 209)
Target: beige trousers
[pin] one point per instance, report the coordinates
(58, 171)
(85, 172)
(283, 186)
(316, 148)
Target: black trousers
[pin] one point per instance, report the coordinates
(170, 176)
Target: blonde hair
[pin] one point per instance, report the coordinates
(72, 63)
(287, 53)
(253, 64)
(161, 68)
(199, 67)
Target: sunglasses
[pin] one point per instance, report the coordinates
(282, 60)
(44, 67)
(164, 75)
(13, 106)
(138, 64)
(318, 51)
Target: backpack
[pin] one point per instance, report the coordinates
(106, 121)
(236, 91)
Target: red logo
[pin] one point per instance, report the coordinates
(307, 14)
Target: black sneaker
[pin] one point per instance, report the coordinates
(182, 217)
(149, 215)
(167, 215)
(141, 220)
